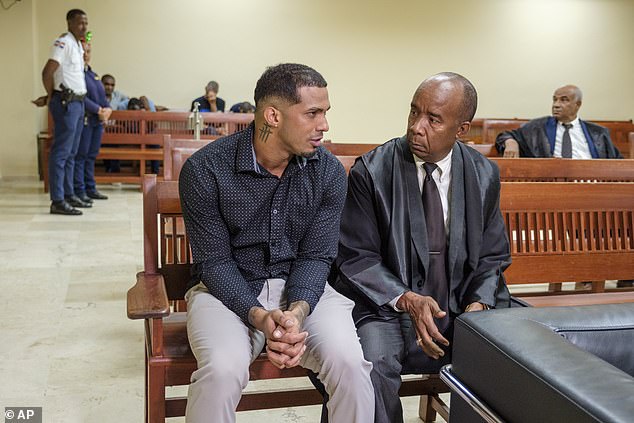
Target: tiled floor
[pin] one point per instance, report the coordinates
(66, 344)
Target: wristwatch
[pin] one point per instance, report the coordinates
(485, 307)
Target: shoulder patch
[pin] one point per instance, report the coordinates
(59, 44)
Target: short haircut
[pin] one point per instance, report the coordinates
(470, 95)
(578, 93)
(135, 104)
(106, 76)
(212, 86)
(74, 12)
(284, 81)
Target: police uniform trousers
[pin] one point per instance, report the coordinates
(224, 347)
(68, 122)
(87, 152)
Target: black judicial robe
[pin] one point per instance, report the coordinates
(383, 248)
(536, 138)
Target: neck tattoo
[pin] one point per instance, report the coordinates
(265, 131)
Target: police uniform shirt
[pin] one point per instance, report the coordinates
(68, 52)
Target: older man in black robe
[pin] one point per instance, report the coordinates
(422, 239)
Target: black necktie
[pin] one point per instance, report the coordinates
(436, 284)
(566, 142)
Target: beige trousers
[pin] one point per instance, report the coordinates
(224, 348)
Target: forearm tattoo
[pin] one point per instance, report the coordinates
(302, 308)
(265, 131)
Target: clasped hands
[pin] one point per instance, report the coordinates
(423, 310)
(285, 342)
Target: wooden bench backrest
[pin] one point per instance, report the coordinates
(558, 232)
(348, 149)
(619, 131)
(563, 232)
(564, 170)
(487, 150)
(492, 127)
(176, 151)
(165, 245)
(130, 127)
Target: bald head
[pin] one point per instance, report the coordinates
(440, 113)
(572, 89)
(469, 100)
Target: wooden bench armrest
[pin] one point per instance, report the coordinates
(147, 299)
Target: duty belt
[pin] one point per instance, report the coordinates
(69, 96)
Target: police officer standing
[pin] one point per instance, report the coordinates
(63, 78)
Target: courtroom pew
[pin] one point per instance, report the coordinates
(169, 360)
(564, 170)
(176, 151)
(569, 232)
(128, 133)
(619, 131)
(558, 232)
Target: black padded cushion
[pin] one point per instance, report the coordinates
(526, 365)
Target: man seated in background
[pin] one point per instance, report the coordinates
(210, 102)
(243, 107)
(119, 101)
(561, 135)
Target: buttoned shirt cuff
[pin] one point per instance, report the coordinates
(393, 304)
(304, 294)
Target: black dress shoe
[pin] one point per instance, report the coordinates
(83, 197)
(76, 202)
(96, 195)
(62, 207)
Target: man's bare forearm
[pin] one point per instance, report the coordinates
(255, 316)
(300, 309)
(47, 76)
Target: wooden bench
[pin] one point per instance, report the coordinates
(619, 131)
(564, 170)
(128, 134)
(569, 232)
(169, 360)
(492, 127)
(175, 152)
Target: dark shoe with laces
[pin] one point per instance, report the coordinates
(83, 197)
(96, 195)
(62, 207)
(76, 202)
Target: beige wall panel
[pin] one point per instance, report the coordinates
(373, 53)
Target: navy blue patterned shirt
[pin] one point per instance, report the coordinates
(246, 225)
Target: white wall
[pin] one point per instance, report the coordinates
(18, 123)
(373, 54)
